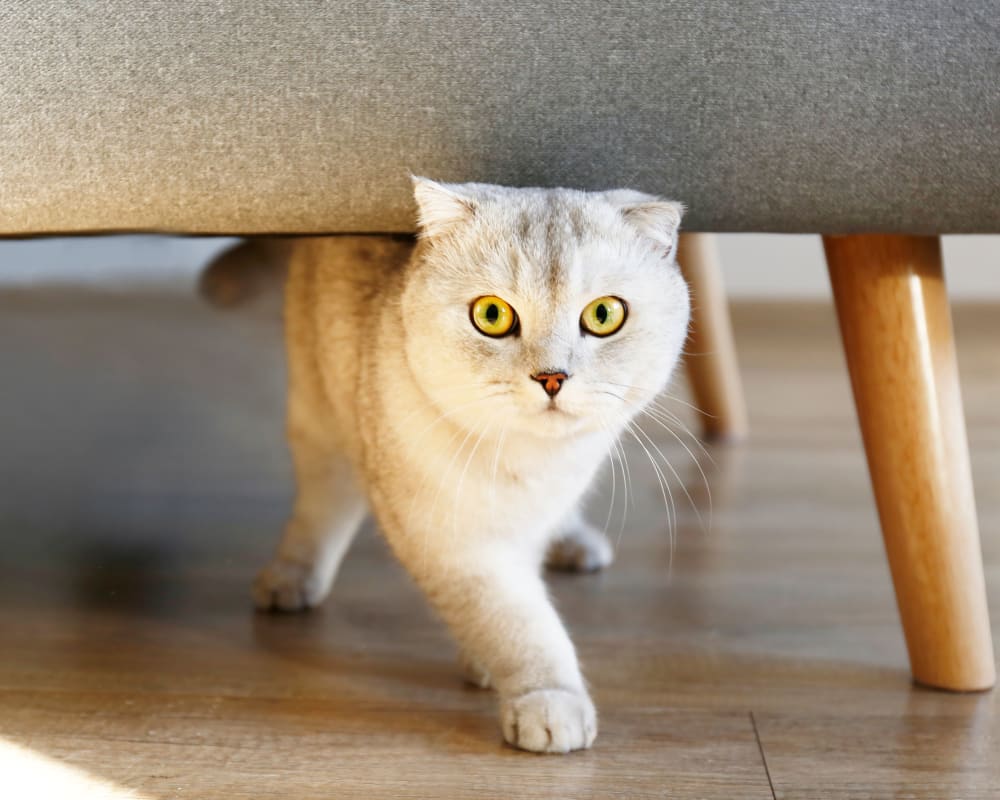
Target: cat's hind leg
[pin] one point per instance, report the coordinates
(474, 673)
(578, 546)
(329, 508)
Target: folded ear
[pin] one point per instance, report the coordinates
(653, 217)
(440, 207)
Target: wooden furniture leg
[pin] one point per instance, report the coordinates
(710, 353)
(896, 327)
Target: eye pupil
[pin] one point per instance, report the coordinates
(493, 316)
(604, 316)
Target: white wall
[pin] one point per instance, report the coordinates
(107, 262)
(756, 266)
(763, 266)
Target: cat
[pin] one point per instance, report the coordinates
(465, 387)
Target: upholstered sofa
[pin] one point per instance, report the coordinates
(876, 124)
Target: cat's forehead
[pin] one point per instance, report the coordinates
(544, 219)
(547, 242)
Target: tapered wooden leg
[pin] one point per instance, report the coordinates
(711, 352)
(896, 326)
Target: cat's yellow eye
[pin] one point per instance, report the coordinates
(493, 316)
(604, 316)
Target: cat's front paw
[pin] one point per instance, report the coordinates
(584, 549)
(288, 586)
(549, 721)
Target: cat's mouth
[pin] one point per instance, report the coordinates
(555, 410)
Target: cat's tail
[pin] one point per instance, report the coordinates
(251, 268)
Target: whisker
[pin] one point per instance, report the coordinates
(420, 494)
(626, 473)
(684, 402)
(447, 471)
(673, 418)
(461, 481)
(421, 488)
(661, 416)
(662, 393)
(614, 479)
(664, 491)
(496, 465)
(670, 466)
(444, 415)
(623, 454)
(665, 411)
(453, 409)
(653, 403)
(697, 463)
(628, 489)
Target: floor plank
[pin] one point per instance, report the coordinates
(144, 479)
(907, 754)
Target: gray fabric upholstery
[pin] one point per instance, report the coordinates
(255, 116)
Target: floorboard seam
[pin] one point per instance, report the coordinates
(763, 758)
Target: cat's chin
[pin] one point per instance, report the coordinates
(556, 423)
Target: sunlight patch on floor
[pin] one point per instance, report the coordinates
(28, 775)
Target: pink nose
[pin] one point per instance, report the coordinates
(551, 381)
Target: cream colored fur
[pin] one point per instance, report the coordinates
(398, 405)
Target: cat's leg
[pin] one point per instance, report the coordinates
(475, 673)
(578, 546)
(328, 510)
(495, 603)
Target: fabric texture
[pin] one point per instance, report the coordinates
(252, 116)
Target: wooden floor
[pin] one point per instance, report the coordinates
(144, 479)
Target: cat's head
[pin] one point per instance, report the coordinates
(544, 311)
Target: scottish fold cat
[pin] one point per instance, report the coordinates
(465, 389)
